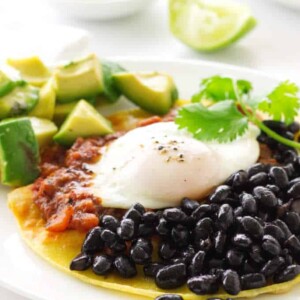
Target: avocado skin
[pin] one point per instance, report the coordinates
(19, 153)
(111, 91)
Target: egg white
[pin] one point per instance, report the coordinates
(159, 164)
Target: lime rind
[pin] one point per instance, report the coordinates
(209, 25)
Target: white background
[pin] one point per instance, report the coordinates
(273, 47)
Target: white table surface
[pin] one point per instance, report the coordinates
(273, 47)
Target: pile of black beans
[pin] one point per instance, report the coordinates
(246, 235)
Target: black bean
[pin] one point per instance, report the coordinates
(202, 211)
(249, 267)
(81, 262)
(172, 276)
(289, 273)
(275, 231)
(139, 207)
(102, 264)
(151, 269)
(293, 244)
(292, 182)
(248, 204)
(271, 245)
(265, 197)
(180, 235)
(231, 282)
(225, 216)
(166, 250)
(108, 236)
(110, 222)
(272, 266)
(256, 254)
(238, 212)
(188, 205)
(253, 227)
(238, 180)
(235, 258)
(141, 251)
(294, 127)
(292, 220)
(197, 263)
(283, 227)
(279, 176)
(258, 179)
(125, 267)
(257, 168)
(126, 229)
(295, 206)
(145, 230)
(289, 169)
(169, 297)
(203, 228)
(118, 246)
(253, 281)
(175, 215)
(150, 218)
(204, 245)
(163, 227)
(133, 214)
(221, 193)
(93, 242)
(289, 156)
(219, 242)
(273, 188)
(294, 191)
(202, 285)
(242, 240)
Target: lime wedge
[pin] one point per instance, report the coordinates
(208, 25)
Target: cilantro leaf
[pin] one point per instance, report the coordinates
(222, 121)
(219, 88)
(282, 103)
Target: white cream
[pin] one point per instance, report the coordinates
(158, 165)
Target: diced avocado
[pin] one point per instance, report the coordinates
(83, 121)
(154, 92)
(31, 69)
(62, 110)
(6, 84)
(111, 92)
(79, 79)
(22, 99)
(19, 153)
(44, 130)
(46, 104)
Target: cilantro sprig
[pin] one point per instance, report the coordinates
(233, 107)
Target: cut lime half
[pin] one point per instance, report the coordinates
(208, 25)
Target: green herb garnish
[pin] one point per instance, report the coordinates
(229, 115)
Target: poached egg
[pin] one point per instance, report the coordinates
(159, 164)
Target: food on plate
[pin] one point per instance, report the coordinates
(32, 69)
(199, 199)
(78, 79)
(19, 152)
(83, 121)
(209, 25)
(154, 92)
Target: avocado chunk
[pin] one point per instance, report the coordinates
(46, 104)
(44, 130)
(6, 84)
(19, 153)
(154, 92)
(111, 92)
(78, 79)
(22, 99)
(31, 69)
(83, 121)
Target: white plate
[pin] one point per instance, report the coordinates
(27, 274)
(290, 3)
